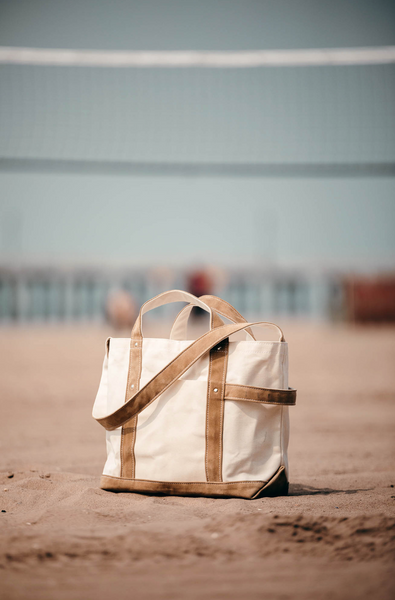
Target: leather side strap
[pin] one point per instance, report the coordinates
(215, 410)
(248, 393)
(129, 429)
(171, 373)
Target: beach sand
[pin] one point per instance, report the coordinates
(63, 538)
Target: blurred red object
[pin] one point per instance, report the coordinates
(200, 283)
(371, 299)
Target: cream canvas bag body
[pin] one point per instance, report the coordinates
(205, 417)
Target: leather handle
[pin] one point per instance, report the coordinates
(221, 307)
(171, 373)
(167, 298)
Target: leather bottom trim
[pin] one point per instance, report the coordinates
(277, 486)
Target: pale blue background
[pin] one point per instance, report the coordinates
(345, 222)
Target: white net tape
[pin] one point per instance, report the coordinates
(260, 58)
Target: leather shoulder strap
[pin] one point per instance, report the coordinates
(171, 373)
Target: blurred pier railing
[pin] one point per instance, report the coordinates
(81, 294)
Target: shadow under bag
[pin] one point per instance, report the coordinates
(207, 417)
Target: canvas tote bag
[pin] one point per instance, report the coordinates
(204, 417)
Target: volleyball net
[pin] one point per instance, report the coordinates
(301, 112)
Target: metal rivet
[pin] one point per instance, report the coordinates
(132, 386)
(216, 390)
(136, 343)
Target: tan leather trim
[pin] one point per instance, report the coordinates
(215, 410)
(128, 438)
(170, 373)
(248, 393)
(234, 489)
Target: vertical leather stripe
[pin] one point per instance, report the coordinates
(215, 410)
(128, 439)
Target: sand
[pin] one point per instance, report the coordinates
(64, 538)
